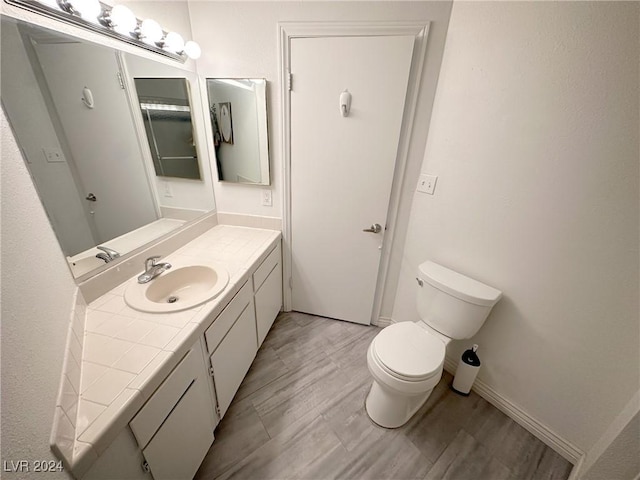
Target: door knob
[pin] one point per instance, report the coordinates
(375, 228)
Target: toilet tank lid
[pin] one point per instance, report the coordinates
(458, 285)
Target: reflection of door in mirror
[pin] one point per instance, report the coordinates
(238, 112)
(166, 113)
(89, 149)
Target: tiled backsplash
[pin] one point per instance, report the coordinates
(66, 416)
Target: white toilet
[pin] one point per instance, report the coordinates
(406, 358)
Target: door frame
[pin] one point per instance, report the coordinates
(287, 31)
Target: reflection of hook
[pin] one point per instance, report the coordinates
(344, 110)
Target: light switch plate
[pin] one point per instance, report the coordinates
(427, 183)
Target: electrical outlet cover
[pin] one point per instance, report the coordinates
(53, 155)
(266, 198)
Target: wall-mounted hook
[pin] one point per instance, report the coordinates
(345, 103)
(87, 97)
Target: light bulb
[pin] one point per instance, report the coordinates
(123, 20)
(192, 49)
(150, 31)
(174, 42)
(88, 9)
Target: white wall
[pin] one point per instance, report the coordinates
(534, 137)
(37, 296)
(618, 448)
(240, 39)
(622, 459)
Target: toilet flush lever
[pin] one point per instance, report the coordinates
(420, 281)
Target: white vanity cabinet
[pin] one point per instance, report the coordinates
(171, 433)
(267, 285)
(174, 429)
(236, 334)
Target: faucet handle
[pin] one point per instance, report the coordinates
(152, 261)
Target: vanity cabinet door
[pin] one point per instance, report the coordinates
(268, 302)
(267, 284)
(233, 356)
(174, 429)
(177, 449)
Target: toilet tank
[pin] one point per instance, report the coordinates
(451, 303)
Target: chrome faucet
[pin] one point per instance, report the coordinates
(108, 255)
(152, 269)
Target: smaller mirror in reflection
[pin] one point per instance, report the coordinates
(238, 111)
(166, 113)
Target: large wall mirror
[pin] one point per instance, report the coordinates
(75, 113)
(238, 113)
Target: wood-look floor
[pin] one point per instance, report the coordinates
(300, 414)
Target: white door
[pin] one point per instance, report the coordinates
(342, 167)
(102, 139)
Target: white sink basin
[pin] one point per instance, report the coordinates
(177, 289)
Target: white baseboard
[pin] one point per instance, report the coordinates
(536, 428)
(382, 322)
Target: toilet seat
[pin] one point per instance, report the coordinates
(408, 352)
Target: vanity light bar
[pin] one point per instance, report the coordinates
(116, 22)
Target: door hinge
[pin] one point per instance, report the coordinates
(120, 80)
(289, 81)
(211, 371)
(145, 467)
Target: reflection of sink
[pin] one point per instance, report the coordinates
(177, 289)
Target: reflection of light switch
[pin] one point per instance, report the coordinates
(53, 155)
(266, 198)
(427, 183)
(167, 189)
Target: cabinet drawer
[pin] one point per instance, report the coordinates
(233, 357)
(177, 450)
(147, 421)
(221, 325)
(268, 302)
(262, 272)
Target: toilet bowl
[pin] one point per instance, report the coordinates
(406, 359)
(406, 362)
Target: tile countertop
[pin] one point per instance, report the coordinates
(127, 354)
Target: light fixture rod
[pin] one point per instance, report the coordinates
(37, 7)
